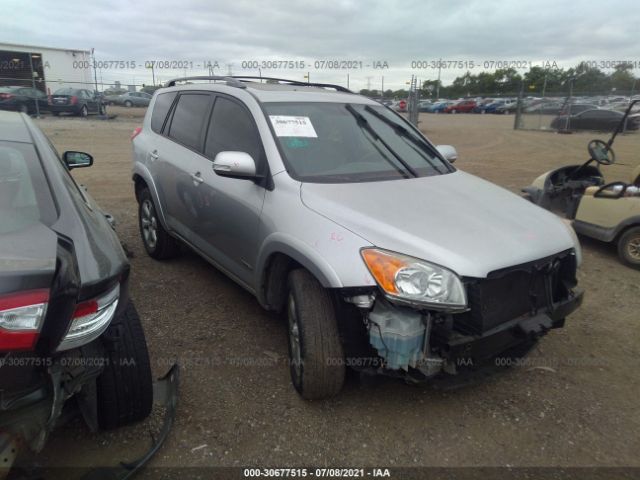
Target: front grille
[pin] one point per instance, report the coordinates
(516, 291)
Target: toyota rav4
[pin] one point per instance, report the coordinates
(331, 208)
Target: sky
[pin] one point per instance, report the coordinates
(381, 41)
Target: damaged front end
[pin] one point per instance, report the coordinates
(504, 315)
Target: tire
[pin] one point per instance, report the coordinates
(125, 387)
(629, 247)
(84, 112)
(157, 242)
(23, 109)
(111, 104)
(128, 104)
(454, 111)
(55, 114)
(315, 351)
(102, 110)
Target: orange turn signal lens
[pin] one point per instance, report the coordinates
(383, 267)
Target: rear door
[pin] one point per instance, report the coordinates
(172, 159)
(227, 210)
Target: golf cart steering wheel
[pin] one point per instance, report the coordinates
(601, 152)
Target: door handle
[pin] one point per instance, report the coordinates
(153, 155)
(197, 178)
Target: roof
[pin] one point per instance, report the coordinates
(280, 92)
(13, 127)
(40, 47)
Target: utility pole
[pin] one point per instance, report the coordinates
(347, 80)
(382, 86)
(33, 83)
(95, 74)
(369, 83)
(438, 84)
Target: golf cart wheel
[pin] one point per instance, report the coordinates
(83, 111)
(157, 242)
(315, 351)
(125, 387)
(128, 104)
(629, 247)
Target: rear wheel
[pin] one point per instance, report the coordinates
(125, 387)
(128, 104)
(83, 111)
(55, 114)
(102, 110)
(629, 247)
(315, 350)
(157, 242)
(23, 108)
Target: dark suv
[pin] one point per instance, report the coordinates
(67, 326)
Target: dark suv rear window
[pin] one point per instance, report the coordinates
(189, 119)
(25, 197)
(160, 110)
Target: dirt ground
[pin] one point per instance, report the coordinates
(574, 403)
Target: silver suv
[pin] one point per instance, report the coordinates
(331, 208)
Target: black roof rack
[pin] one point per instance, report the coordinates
(339, 88)
(229, 80)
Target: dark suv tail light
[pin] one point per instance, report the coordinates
(21, 316)
(5, 96)
(74, 100)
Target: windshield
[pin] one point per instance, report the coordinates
(345, 143)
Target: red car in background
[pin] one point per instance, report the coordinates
(464, 106)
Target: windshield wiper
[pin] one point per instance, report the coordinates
(425, 151)
(364, 123)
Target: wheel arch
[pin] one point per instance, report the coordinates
(142, 179)
(280, 254)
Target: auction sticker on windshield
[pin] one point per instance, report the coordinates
(290, 126)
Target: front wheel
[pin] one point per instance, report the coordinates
(315, 351)
(128, 104)
(629, 247)
(125, 387)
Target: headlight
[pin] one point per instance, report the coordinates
(415, 281)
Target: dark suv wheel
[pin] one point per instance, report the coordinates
(125, 387)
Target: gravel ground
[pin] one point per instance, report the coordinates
(574, 403)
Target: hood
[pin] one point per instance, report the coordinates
(27, 258)
(456, 220)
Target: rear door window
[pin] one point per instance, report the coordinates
(25, 197)
(161, 109)
(190, 118)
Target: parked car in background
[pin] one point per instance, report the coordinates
(69, 334)
(76, 101)
(130, 99)
(463, 106)
(294, 190)
(23, 99)
(545, 108)
(574, 108)
(507, 106)
(602, 120)
(439, 107)
(423, 105)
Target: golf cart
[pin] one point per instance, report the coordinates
(605, 211)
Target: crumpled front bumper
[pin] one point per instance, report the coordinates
(470, 350)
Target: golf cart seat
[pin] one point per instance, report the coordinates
(633, 180)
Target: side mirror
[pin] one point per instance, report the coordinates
(77, 159)
(448, 152)
(235, 165)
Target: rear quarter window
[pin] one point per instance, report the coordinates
(161, 109)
